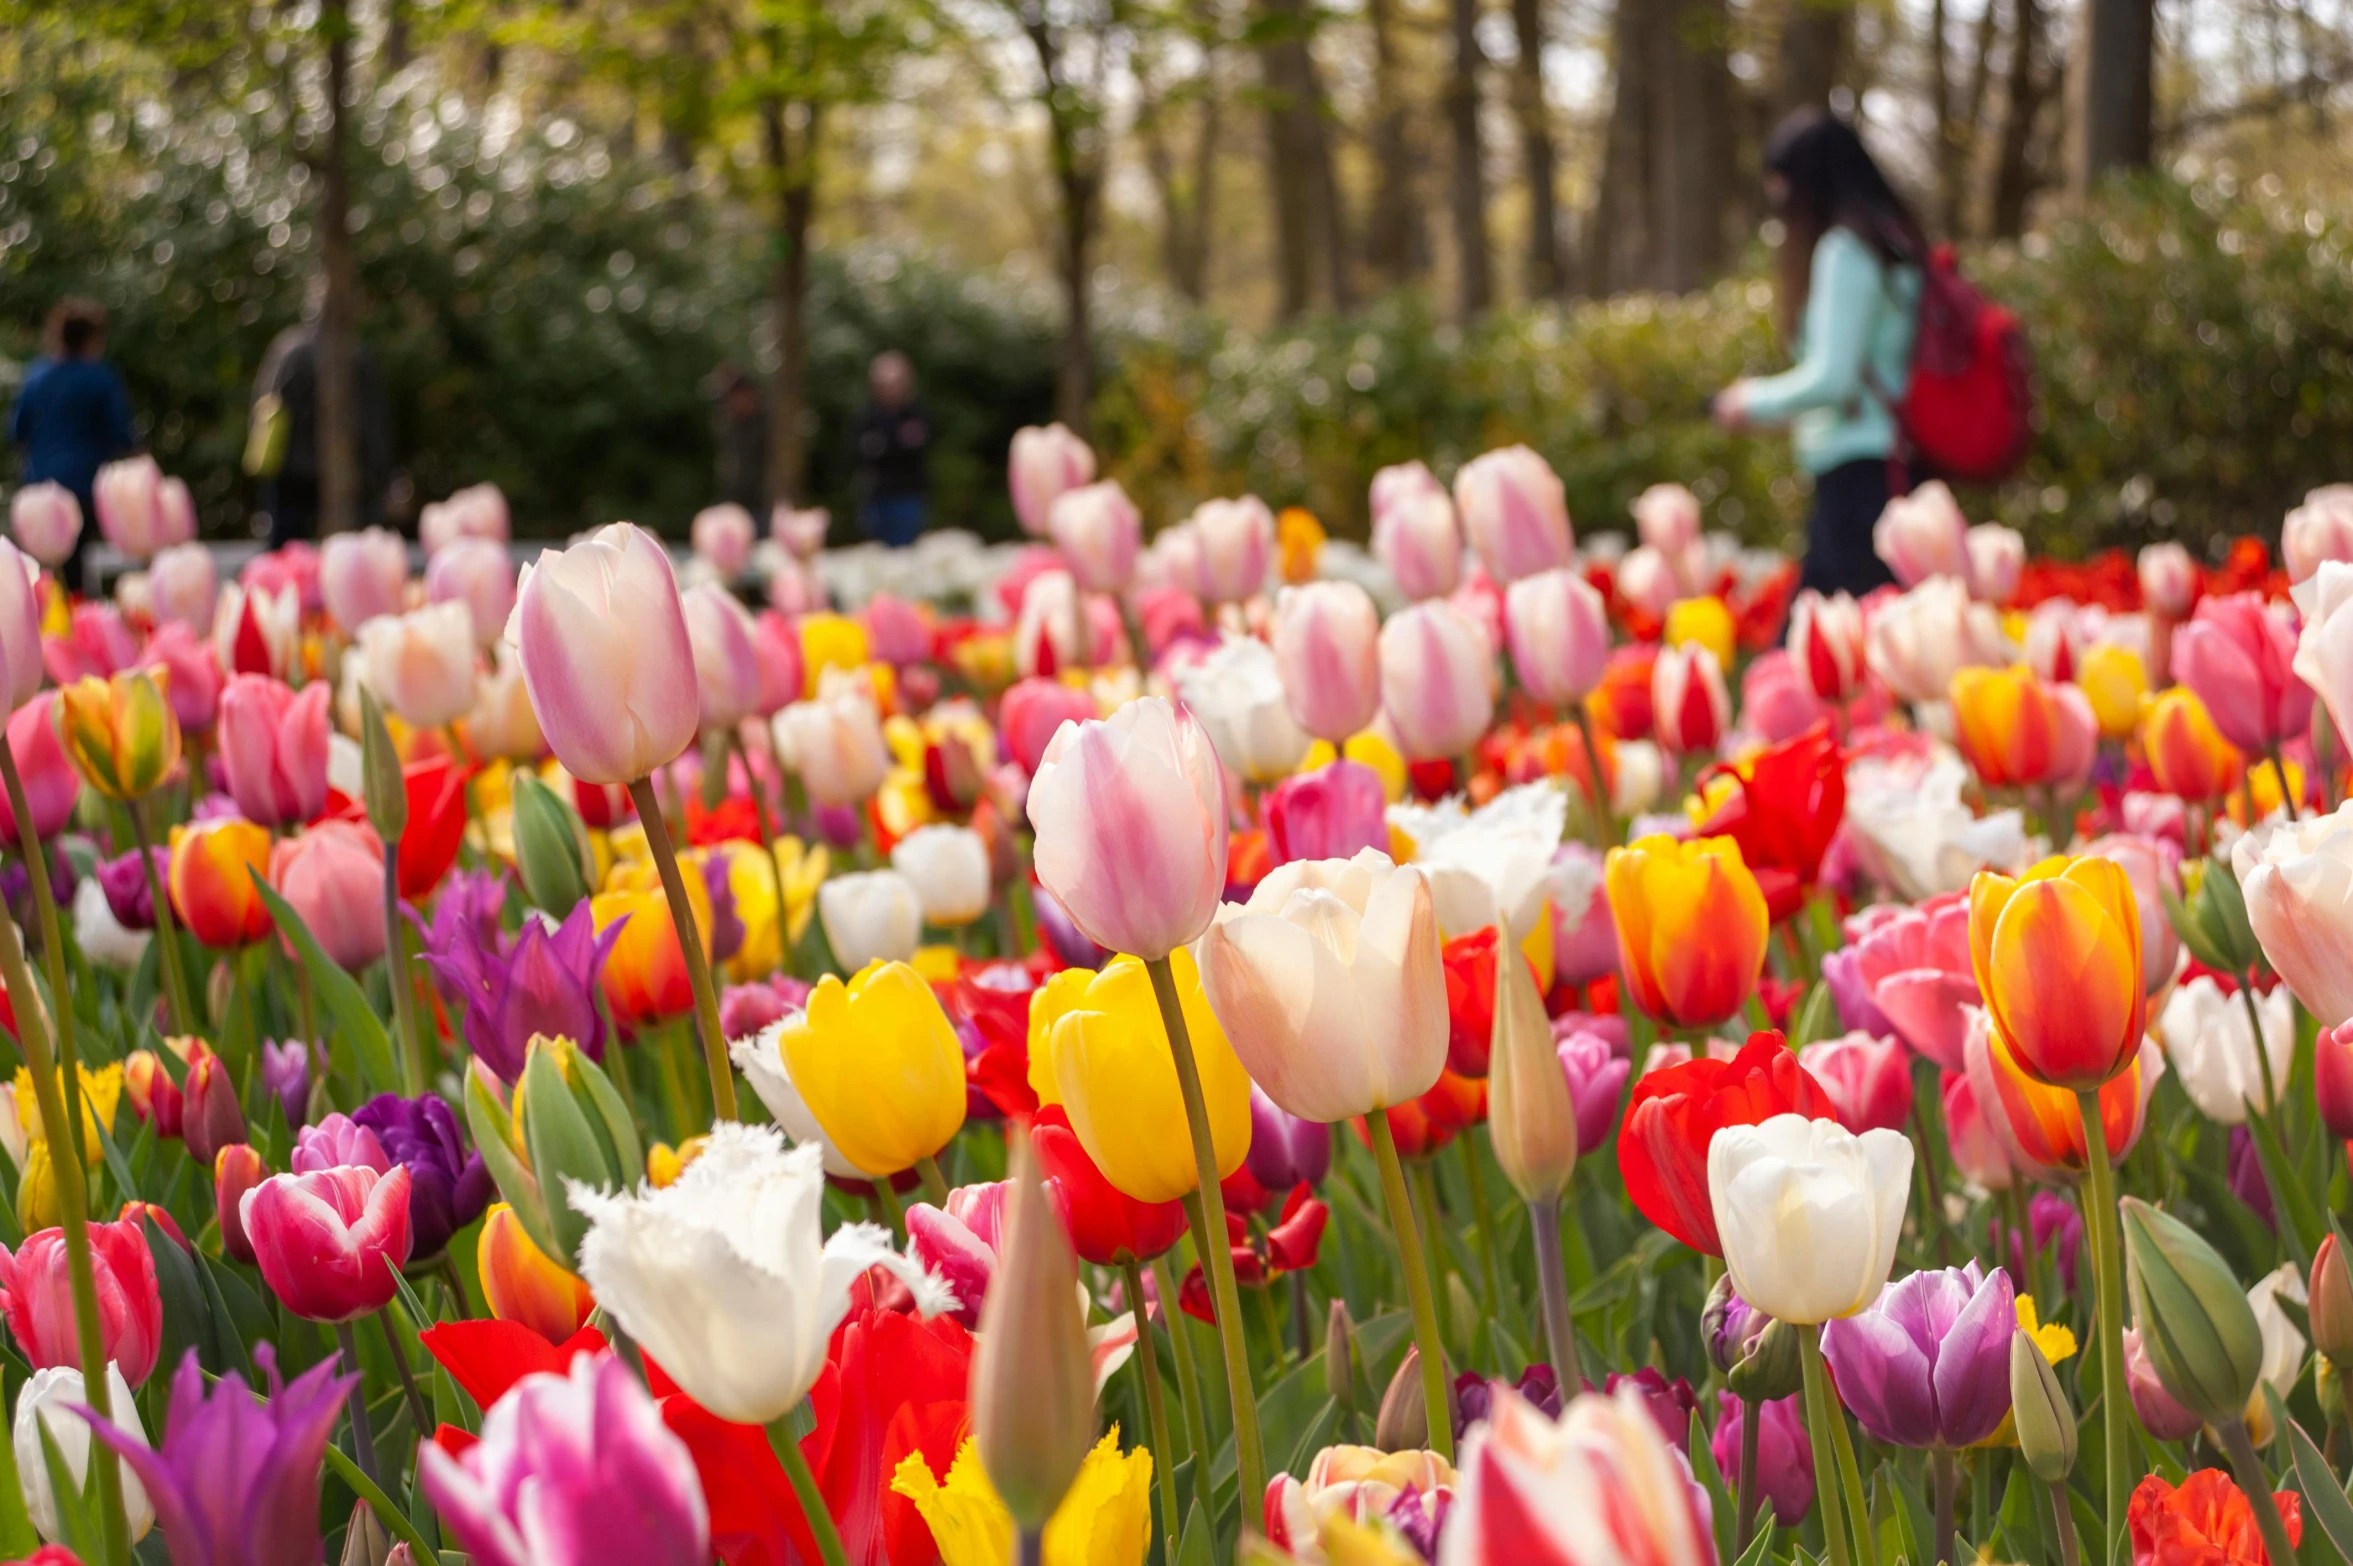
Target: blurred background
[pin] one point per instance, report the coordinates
(628, 257)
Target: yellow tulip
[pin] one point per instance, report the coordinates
(1105, 1520)
(1299, 544)
(36, 1191)
(521, 1283)
(2117, 683)
(830, 641)
(121, 732)
(1105, 1057)
(1705, 621)
(1691, 927)
(753, 878)
(879, 1067)
(101, 1091)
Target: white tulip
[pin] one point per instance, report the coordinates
(1809, 1213)
(2212, 1046)
(949, 869)
(835, 743)
(421, 664)
(101, 936)
(48, 1395)
(1914, 834)
(2324, 649)
(1237, 693)
(1493, 864)
(2283, 1344)
(873, 916)
(727, 1277)
(2298, 881)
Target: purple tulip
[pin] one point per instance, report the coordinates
(1732, 1326)
(1474, 1395)
(236, 1482)
(727, 931)
(1285, 1150)
(285, 1072)
(1842, 971)
(1928, 1364)
(556, 1454)
(467, 914)
(16, 883)
(1597, 1080)
(2246, 1178)
(2058, 1228)
(1671, 1403)
(1057, 930)
(542, 983)
(125, 886)
(1420, 1517)
(448, 1186)
(1785, 1457)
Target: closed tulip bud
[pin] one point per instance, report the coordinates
(1236, 694)
(477, 575)
(606, 655)
(1327, 651)
(551, 846)
(477, 511)
(1236, 540)
(120, 732)
(568, 1128)
(2331, 1302)
(1689, 702)
(1558, 629)
(949, 867)
(328, 1243)
(210, 1116)
(1044, 463)
(835, 743)
(2046, 1421)
(2210, 916)
(1515, 512)
(1099, 532)
(273, 746)
(2237, 653)
(1436, 680)
(421, 664)
(872, 916)
(722, 535)
(211, 881)
(2196, 1326)
(1808, 1213)
(1529, 1113)
(363, 575)
(726, 658)
(46, 520)
(1772, 1369)
(1826, 644)
(182, 586)
(1923, 534)
(522, 1283)
(139, 510)
(2117, 684)
(1674, 901)
(51, 1402)
(236, 1169)
(36, 1191)
(333, 876)
(1403, 1424)
(1339, 1354)
(1415, 532)
(1033, 1385)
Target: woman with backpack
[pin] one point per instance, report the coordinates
(1851, 263)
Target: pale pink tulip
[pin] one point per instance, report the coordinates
(20, 626)
(1237, 540)
(1043, 463)
(421, 664)
(1774, 702)
(2169, 580)
(1559, 633)
(726, 657)
(1031, 714)
(1666, 517)
(363, 575)
(1914, 965)
(46, 520)
(479, 573)
(1099, 531)
(2320, 529)
(722, 535)
(1869, 1080)
(1923, 534)
(140, 511)
(1415, 532)
(273, 747)
(502, 724)
(1997, 557)
(183, 585)
(1327, 649)
(800, 530)
(606, 655)
(835, 743)
(1515, 513)
(1436, 680)
(477, 511)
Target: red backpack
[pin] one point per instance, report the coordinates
(1968, 413)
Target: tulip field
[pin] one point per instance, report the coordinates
(1533, 1042)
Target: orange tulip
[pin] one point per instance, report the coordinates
(645, 979)
(2041, 1127)
(210, 888)
(2186, 751)
(1691, 927)
(2016, 730)
(522, 1284)
(2057, 954)
(2262, 780)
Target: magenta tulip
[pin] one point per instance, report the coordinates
(2238, 657)
(322, 1239)
(51, 784)
(274, 748)
(1332, 812)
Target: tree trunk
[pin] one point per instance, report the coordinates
(1193, 271)
(1691, 137)
(792, 161)
(1474, 284)
(1945, 151)
(1618, 247)
(1074, 377)
(1188, 202)
(1814, 35)
(1395, 242)
(338, 411)
(1309, 246)
(1968, 209)
(2013, 175)
(2115, 108)
(1545, 276)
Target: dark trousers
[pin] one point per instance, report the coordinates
(292, 502)
(1847, 503)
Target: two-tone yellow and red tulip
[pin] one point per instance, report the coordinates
(1691, 925)
(2186, 751)
(2057, 954)
(2040, 1127)
(1099, 1049)
(2020, 731)
(121, 732)
(523, 1283)
(878, 1064)
(213, 890)
(645, 978)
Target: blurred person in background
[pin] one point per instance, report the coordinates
(1849, 291)
(286, 461)
(739, 435)
(892, 446)
(73, 413)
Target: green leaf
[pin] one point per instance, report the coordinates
(510, 1170)
(18, 1538)
(76, 1523)
(1815, 1019)
(395, 1521)
(238, 1319)
(1760, 1548)
(355, 1020)
(2324, 1500)
(411, 1302)
(187, 1318)
(1197, 1545)
(562, 1142)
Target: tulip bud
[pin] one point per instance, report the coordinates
(551, 846)
(36, 1191)
(2046, 1424)
(2211, 916)
(365, 1543)
(236, 1170)
(1771, 1369)
(2331, 1296)
(2196, 1326)
(381, 782)
(1033, 1385)
(1403, 1424)
(210, 1116)
(1340, 1354)
(568, 1124)
(1529, 1113)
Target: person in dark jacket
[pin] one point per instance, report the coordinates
(74, 413)
(290, 497)
(892, 445)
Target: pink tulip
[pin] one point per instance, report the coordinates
(1045, 637)
(2320, 529)
(139, 510)
(1826, 644)
(726, 656)
(1515, 513)
(257, 627)
(323, 1239)
(1997, 558)
(1436, 673)
(606, 655)
(1327, 650)
(1869, 1080)
(2056, 634)
(800, 530)
(20, 627)
(1923, 534)
(274, 748)
(2238, 657)
(2159, 1411)
(1043, 463)
(2169, 580)
(98, 642)
(1031, 713)
(333, 875)
(2154, 867)
(477, 511)
(722, 535)
(363, 575)
(1237, 540)
(1688, 701)
(1652, 581)
(1666, 517)
(291, 567)
(192, 678)
(182, 585)
(36, 1296)
(1914, 963)
(1559, 633)
(51, 784)
(480, 574)
(1774, 702)
(1130, 819)
(1099, 531)
(335, 1142)
(777, 646)
(1415, 533)
(896, 631)
(1977, 1150)
(46, 520)
(1584, 936)
(1329, 813)
(1399, 482)
(1597, 1075)
(421, 664)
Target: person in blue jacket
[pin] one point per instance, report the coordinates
(1849, 291)
(73, 413)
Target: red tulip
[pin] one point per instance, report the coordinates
(210, 1116)
(155, 1097)
(1470, 1000)
(322, 1239)
(436, 789)
(1676, 1112)
(2332, 1080)
(2206, 1521)
(236, 1169)
(1784, 806)
(1107, 1227)
(37, 1299)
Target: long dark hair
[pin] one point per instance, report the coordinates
(1833, 182)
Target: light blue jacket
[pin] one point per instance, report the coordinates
(1860, 315)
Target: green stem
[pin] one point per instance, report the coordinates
(1858, 1509)
(767, 838)
(1552, 1279)
(1482, 1225)
(396, 1522)
(2257, 1485)
(1431, 1233)
(396, 971)
(888, 1195)
(363, 1438)
(418, 1416)
(1155, 1411)
(935, 1184)
(1818, 1417)
(2108, 1303)
(1418, 1292)
(1605, 826)
(1940, 1464)
(804, 1483)
(1188, 1379)
(181, 1018)
(2070, 1551)
(1745, 1527)
(2279, 773)
(1217, 1257)
(690, 943)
